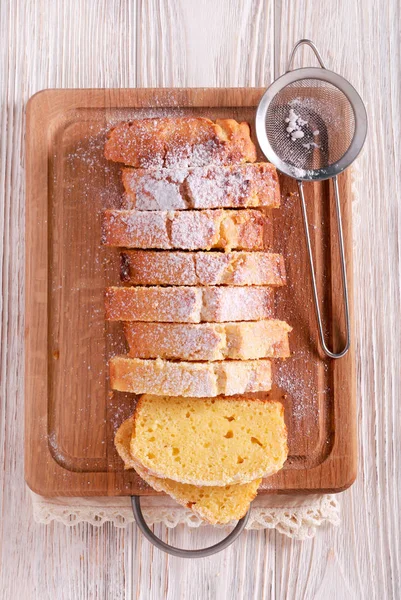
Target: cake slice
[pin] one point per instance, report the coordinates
(216, 505)
(198, 379)
(206, 441)
(189, 304)
(151, 267)
(186, 230)
(208, 341)
(179, 143)
(233, 186)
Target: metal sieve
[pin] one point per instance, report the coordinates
(311, 124)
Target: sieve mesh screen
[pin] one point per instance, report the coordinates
(326, 122)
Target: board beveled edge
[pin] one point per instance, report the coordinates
(42, 473)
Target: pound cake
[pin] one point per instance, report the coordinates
(189, 304)
(216, 505)
(186, 230)
(150, 267)
(197, 307)
(208, 341)
(162, 377)
(214, 186)
(206, 441)
(181, 142)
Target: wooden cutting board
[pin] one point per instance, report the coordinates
(71, 415)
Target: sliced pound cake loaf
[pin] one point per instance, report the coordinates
(216, 505)
(186, 230)
(214, 186)
(179, 143)
(208, 341)
(227, 377)
(184, 304)
(206, 441)
(152, 267)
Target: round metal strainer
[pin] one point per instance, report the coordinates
(311, 124)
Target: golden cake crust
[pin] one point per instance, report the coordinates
(180, 142)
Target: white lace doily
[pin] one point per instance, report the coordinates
(295, 516)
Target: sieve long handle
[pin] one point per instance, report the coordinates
(313, 275)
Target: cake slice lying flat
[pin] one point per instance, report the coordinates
(216, 505)
(204, 441)
(234, 186)
(152, 267)
(208, 341)
(189, 304)
(198, 379)
(179, 143)
(186, 230)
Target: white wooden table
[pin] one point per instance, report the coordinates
(128, 43)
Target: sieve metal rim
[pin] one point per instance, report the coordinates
(343, 86)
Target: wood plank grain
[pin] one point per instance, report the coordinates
(196, 44)
(57, 44)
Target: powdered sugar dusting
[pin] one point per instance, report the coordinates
(168, 304)
(189, 379)
(240, 268)
(188, 230)
(189, 304)
(234, 186)
(238, 186)
(158, 189)
(178, 143)
(303, 382)
(237, 303)
(208, 341)
(149, 267)
(176, 341)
